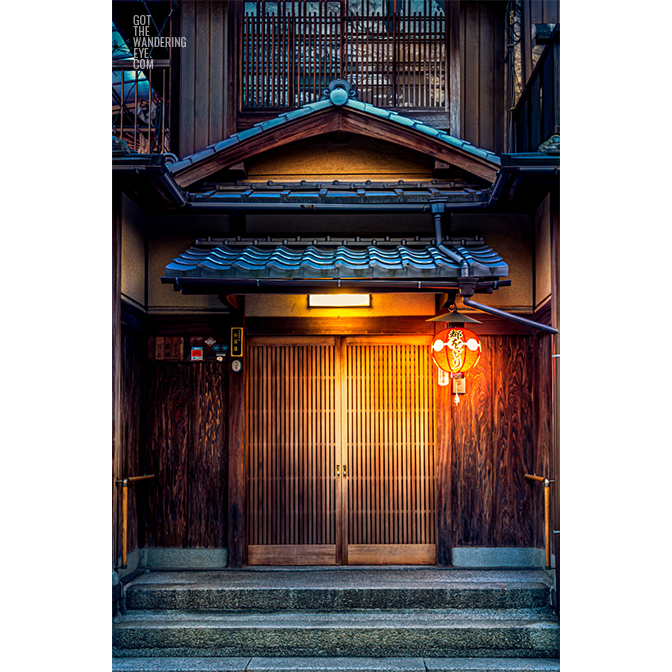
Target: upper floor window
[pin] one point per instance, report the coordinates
(393, 52)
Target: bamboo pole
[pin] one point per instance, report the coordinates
(547, 514)
(124, 514)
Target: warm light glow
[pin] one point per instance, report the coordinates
(456, 350)
(339, 300)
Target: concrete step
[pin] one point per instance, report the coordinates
(247, 664)
(328, 590)
(452, 633)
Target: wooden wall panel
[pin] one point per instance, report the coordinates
(483, 114)
(131, 430)
(513, 434)
(167, 451)
(472, 456)
(207, 459)
(203, 87)
(485, 444)
(187, 80)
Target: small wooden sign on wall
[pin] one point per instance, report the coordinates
(236, 341)
(166, 347)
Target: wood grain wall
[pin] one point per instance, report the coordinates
(186, 449)
(485, 445)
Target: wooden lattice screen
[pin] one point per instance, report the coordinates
(392, 51)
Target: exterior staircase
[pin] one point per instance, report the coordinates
(346, 619)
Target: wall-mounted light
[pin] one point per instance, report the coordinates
(339, 300)
(455, 350)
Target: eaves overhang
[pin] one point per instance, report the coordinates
(149, 170)
(236, 266)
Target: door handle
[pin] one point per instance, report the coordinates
(338, 471)
(345, 471)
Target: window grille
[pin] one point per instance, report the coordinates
(392, 51)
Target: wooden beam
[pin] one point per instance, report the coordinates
(311, 326)
(237, 456)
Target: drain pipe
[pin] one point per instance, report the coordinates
(466, 300)
(438, 208)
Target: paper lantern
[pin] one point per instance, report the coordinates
(456, 350)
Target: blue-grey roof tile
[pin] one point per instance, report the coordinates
(180, 165)
(377, 111)
(356, 104)
(429, 130)
(340, 261)
(404, 121)
(248, 133)
(319, 105)
(225, 144)
(295, 114)
(203, 154)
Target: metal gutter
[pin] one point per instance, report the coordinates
(263, 285)
(333, 207)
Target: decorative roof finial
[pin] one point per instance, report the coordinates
(339, 92)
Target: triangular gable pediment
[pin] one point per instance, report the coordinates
(326, 116)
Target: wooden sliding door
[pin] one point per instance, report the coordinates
(340, 451)
(293, 450)
(389, 445)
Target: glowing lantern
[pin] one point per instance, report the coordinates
(456, 350)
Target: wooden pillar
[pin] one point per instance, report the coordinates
(444, 519)
(237, 450)
(116, 367)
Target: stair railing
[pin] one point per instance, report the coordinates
(124, 513)
(547, 514)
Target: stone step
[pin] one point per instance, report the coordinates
(339, 591)
(453, 633)
(247, 664)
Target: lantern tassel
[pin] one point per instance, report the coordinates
(457, 398)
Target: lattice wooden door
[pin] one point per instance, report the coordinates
(341, 451)
(389, 446)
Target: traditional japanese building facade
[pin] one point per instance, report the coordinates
(404, 151)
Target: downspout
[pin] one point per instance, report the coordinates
(437, 210)
(508, 316)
